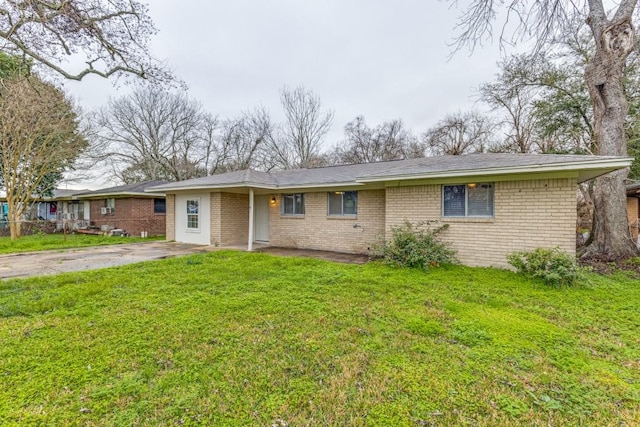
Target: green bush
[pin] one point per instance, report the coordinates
(416, 246)
(554, 266)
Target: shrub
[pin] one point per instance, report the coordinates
(413, 246)
(552, 265)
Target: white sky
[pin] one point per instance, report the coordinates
(380, 59)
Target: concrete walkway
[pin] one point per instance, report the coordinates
(62, 260)
(56, 261)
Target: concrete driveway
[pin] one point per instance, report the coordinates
(91, 258)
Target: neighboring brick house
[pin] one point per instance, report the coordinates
(126, 207)
(494, 203)
(633, 210)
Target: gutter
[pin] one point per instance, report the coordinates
(110, 195)
(260, 186)
(613, 164)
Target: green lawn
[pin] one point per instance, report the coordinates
(230, 338)
(42, 242)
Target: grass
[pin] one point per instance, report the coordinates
(43, 242)
(237, 339)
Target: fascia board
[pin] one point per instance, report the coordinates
(608, 166)
(210, 187)
(322, 185)
(118, 194)
(262, 187)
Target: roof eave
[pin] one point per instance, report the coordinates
(209, 187)
(601, 167)
(261, 186)
(116, 194)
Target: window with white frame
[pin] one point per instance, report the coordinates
(193, 211)
(468, 200)
(343, 203)
(293, 204)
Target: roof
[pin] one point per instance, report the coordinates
(136, 189)
(440, 167)
(57, 194)
(633, 189)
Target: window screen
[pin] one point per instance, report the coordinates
(474, 199)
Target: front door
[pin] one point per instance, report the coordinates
(261, 218)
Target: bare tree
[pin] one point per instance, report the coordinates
(298, 141)
(242, 142)
(112, 36)
(388, 141)
(39, 140)
(460, 133)
(515, 101)
(614, 38)
(154, 134)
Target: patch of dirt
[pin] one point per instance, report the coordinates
(607, 265)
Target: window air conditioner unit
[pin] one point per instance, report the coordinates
(105, 211)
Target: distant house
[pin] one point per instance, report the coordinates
(125, 207)
(43, 212)
(46, 208)
(633, 209)
(494, 204)
(66, 209)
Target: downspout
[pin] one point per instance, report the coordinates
(250, 244)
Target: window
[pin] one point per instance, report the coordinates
(293, 204)
(193, 209)
(76, 209)
(110, 203)
(475, 199)
(343, 203)
(159, 206)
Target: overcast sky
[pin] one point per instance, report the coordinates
(380, 59)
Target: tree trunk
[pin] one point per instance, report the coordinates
(14, 222)
(614, 41)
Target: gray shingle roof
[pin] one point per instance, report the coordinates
(138, 187)
(60, 192)
(405, 169)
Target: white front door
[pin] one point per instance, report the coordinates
(261, 218)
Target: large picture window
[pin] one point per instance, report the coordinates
(343, 203)
(293, 204)
(193, 211)
(468, 200)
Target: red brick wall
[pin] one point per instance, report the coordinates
(133, 215)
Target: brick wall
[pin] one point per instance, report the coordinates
(528, 214)
(133, 215)
(216, 220)
(229, 219)
(317, 230)
(633, 215)
(234, 210)
(170, 217)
